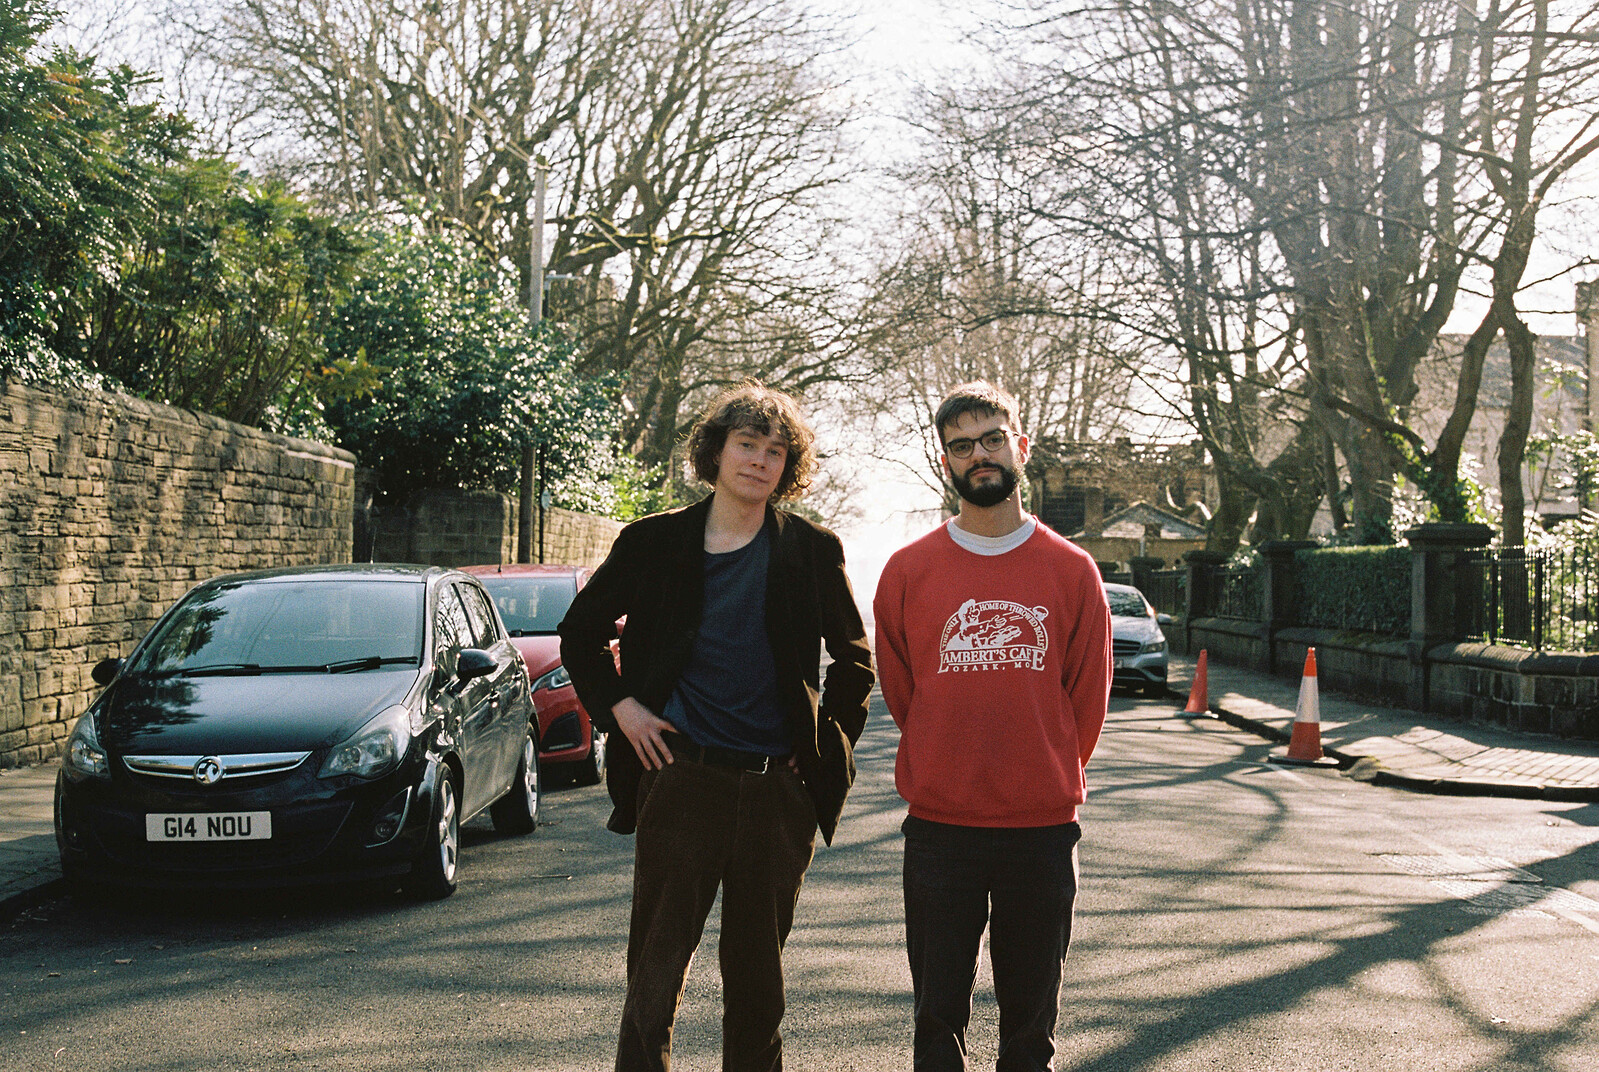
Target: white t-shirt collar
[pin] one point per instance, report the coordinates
(992, 545)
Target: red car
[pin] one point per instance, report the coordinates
(532, 600)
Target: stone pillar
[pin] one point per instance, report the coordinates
(1445, 593)
(1201, 565)
(1142, 566)
(1280, 585)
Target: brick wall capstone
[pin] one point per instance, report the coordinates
(111, 508)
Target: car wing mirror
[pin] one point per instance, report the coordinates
(1163, 618)
(474, 663)
(105, 671)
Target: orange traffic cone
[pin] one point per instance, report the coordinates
(1199, 693)
(1304, 746)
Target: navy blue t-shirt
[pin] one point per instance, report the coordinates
(727, 696)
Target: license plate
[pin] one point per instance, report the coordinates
(209, 826)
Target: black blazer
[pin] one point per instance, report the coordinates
(655, 577)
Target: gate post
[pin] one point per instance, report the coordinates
(1445, 593)
(1281, 587)
(1200, 601)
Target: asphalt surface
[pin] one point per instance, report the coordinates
(1235, 913)
(1383, 745)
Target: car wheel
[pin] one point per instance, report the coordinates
(517, 812)
(433, 876)
(592, 769)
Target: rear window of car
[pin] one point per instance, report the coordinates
(281, 624)
(485, 633)
(531, 606)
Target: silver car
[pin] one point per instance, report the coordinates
(1137, 642)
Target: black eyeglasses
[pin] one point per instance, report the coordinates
(991, 441)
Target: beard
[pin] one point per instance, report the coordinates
(990, 494)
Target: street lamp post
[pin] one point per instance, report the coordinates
(535, 314)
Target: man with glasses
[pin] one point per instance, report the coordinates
(994, 652)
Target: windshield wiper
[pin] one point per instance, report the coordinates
(371, 662)
(220, 669)
(344, 666)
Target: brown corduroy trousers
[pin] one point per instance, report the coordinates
(701, 827)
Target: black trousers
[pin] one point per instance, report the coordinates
(700, 827)
(1019, 884)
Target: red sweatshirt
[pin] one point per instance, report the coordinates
(997, 669)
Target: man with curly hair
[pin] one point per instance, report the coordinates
(738, 755)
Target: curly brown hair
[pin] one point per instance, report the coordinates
(767, 411)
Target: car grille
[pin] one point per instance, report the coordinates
(246, 765)
(1126, 647)
(299, 834)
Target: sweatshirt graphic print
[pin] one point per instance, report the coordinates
(997, 670)
(993, 635)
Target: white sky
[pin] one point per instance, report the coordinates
(898, 43)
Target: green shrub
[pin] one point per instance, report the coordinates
(1362, 588)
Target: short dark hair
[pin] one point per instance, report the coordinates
(979, 397)
(767, 411)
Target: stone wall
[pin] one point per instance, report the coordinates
(1124, 549)
(110, 509)
(1527, 691)
(448, 527)
(1534, 692)
(576, 539)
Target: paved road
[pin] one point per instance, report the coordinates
(1235, 916)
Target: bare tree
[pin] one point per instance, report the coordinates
(688, 144)
(1529, 136)
(385, 103)
(694, 215)
(1310, 182)
(982, 287)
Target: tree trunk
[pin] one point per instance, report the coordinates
(1518, 425)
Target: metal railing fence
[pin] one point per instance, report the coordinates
(1168, 590)
(1547, 600)
(1236, 593)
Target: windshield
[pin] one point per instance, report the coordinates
(328, 626)
(1127, 604)
(531, 606)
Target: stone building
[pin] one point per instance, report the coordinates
(1080, 488)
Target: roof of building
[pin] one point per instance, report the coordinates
(1131, 522)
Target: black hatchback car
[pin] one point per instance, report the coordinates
(297, 725)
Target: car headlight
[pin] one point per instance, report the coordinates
(555, 679)
(83, 757)
(1151, 646)
(374, 749)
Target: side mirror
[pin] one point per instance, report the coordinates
(1163, 618)
(474, 663)
(105, 671)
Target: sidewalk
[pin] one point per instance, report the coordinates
(1384, 745)
(1392, 746)
(29, 866)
